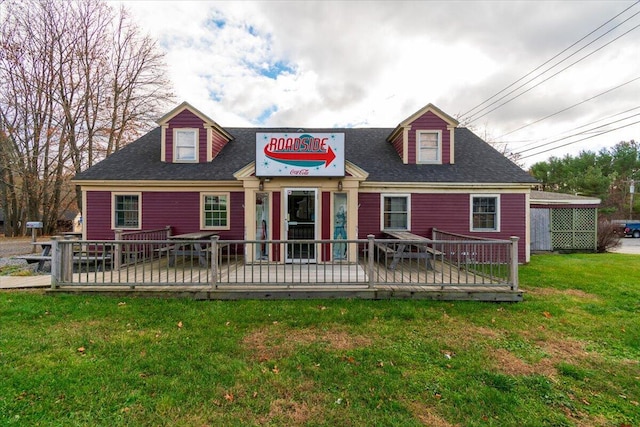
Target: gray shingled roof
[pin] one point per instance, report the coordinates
(549, 197)
(475, 160)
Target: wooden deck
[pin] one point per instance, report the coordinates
(237, 280)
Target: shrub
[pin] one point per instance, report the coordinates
(608, 235)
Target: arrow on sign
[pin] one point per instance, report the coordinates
(302, 158)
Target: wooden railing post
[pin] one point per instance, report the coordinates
(214, 261)
(168, 230)
(66, 260)
(55, 262)
(514, 262)
(117, 251)
(370, 252)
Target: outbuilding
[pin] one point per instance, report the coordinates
(563, 222)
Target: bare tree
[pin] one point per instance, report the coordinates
(78, 81)
(139, 88)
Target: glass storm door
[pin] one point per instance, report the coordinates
(300, 224)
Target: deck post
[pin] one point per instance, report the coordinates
(214, 261)
(66, 261)
(514, 262)
(117, 251)
(370, 249)
(55, 262)
(168, 230)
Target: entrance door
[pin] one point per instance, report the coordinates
(300, 224)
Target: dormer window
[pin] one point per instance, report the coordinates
(429, 147)
(185, 145)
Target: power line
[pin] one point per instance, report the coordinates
(579, 133)
(554, 57)
(577, 127)
(552, 76)
(579, 140)
(570, 107)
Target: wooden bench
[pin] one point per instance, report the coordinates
(78, 259)
(92, 260)
(175, 251)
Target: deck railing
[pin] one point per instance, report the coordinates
(367, 263)
(133, 253)
(480, 255)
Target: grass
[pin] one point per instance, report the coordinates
(566, 356)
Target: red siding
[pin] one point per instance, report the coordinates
(397, 144)
(97, 215)
(218, 144)
(448, 212)
(186, 119)
(369, 215)
(429, 121)
(180, 210)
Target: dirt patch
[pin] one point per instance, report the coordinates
(508, 363)
(291, 413)
(561, 350)
(557, 351)
(427, 416)
(274, 343)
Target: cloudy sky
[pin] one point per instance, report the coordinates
(372, 64)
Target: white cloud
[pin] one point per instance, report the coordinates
(358, 63)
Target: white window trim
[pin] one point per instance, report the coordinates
(202, 216)
(439, 149)
(382, 197)
(113, 210)
(196, 143)
(498, 210)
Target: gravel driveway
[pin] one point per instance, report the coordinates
(15, 246)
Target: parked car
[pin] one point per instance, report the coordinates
(632, 229)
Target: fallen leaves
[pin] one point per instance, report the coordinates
(547, 314)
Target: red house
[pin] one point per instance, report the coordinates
(291, 183)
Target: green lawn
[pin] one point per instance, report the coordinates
(567, 355)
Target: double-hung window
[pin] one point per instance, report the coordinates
(215, 211)
(429, 146)
(485, 213)
(186, 145)
(126, 211)
(396, 212)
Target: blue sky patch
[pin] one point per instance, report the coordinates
(215, 96)
(251, 30)
(277, 69)
(264, 116)
(216, 21)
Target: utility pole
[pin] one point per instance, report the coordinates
(632, 189)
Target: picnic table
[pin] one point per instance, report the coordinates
(410, 246)
(189, 244)
(45, 254)
(87, 256)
